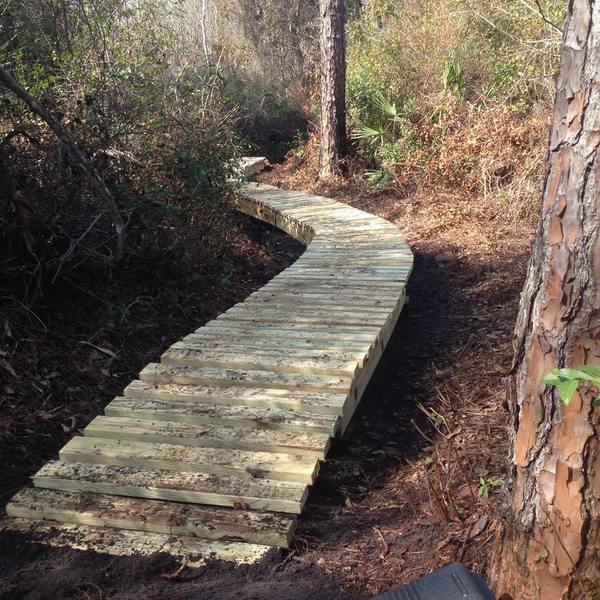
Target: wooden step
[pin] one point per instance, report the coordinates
(155, 516)
(193, 412)
(273, 315)
(199, 488)
(267, 348)
(301, 305)
(265, 360)
(322, 299)
(322, 403)
(159, 373)
(123, 542)
(293, 302)
(263, 341)
(174, 457)
(210, 436)
(232, 329)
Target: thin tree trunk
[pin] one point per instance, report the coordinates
(203, 17)
(333, 87)
(551, 542)
(84, 164)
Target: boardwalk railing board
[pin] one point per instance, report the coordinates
(221, 439)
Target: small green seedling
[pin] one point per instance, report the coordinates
(489, 484)
(567, 381)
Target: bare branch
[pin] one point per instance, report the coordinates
(538, 10)
(100, 186)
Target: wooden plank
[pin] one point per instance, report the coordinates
(122, 542)
(313, 402)
(215, 414)
(210, 436)
(322, 299)
(234, 330)
(158, 373)
(338, 313)
(311, 316)
(297, 303)
(196, 488)
(374, 282)
(155, 516)
(210, 340)
(271, 346)
(177, 457)
(265, 360)
(313, 285)
(250, 165)
(366, 333)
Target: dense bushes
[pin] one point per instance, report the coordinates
(461, 82)
(153, 122)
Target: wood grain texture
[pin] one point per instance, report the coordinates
(219, 414)
(178, 457)
(155, 516)
(180, 486)
(124, 542)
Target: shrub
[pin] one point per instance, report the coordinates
(156, 126)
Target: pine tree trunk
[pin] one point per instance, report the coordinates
(333, 87)
(551, 545)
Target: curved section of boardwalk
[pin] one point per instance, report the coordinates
(212, 451)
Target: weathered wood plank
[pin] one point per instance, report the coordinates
(265, 340)
(262, 360)
(210, 436)
(226, 415)
(154, 516)
(330, 298)
(230, 328)
(270, 347)
(310, 315)
(197, 488)
(158, 373)
(314, 402)
(123, 542)
(177, 457)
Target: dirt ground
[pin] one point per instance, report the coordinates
(400, 494)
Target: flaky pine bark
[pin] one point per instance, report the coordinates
(333, 87)
(550, 549)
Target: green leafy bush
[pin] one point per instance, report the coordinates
(450, 62)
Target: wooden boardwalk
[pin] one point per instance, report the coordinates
(212, 451)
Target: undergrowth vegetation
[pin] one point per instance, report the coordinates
(154, 123)
(163, 97)
(470, 84)
(451, 95)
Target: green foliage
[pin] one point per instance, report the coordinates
(377, 179)
(155, 122)
(567, 381)
(490, 484)
(442, 58)
(391, 138)
(452, 78)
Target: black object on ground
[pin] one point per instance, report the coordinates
(452, 582)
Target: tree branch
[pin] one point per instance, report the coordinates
(84, 164)
(538, 10)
